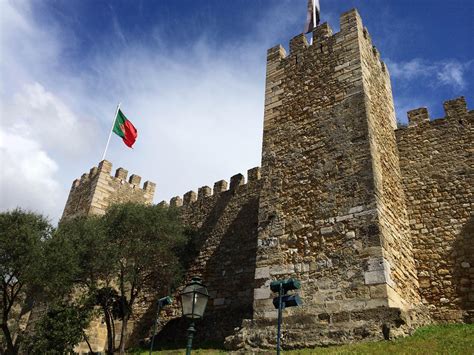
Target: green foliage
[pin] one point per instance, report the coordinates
(108, 260)
(60, 329)
(146, 241)
(23, 236)
(89, 252)
(114, 258)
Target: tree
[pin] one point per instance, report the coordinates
(22, 238)
(92, 263)
(91, 253)
(133, 249)
(61, 328)
(145, 240)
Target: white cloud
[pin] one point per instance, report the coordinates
(446, 73)
(40, 135)
(198, 108)
(452, 73)
(403, 104)
(38, 114)
(27, 178)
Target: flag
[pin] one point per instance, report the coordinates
(313, 15)
(125, 129)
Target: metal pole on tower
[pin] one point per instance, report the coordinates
(111, 129)
(315, 24)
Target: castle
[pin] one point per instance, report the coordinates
(375, 221)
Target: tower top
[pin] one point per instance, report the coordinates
(98, 189)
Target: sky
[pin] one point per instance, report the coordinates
(190, 75)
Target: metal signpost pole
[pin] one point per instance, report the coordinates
(280, 294)
(154, 328)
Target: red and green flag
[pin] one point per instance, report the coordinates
(125, 129)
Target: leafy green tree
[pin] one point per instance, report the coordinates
(145, 241)
(86, 239)
(91, 264)
(61, 328)
(22, 238)
(133, 249)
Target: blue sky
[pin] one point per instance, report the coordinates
(190, 75)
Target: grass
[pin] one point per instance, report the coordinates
(441, 339)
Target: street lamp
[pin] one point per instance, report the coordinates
(284, 301)
(193, 300)
(165, 301)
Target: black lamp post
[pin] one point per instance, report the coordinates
(193, 300)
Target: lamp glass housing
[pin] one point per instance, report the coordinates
(194, 299)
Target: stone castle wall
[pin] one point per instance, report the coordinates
(331, 208)
(375, 221)
(97, 190)
(224, 222)
(397, 259)
(437, 165)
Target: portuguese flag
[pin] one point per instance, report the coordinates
(125, 129)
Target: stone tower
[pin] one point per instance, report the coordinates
(332, 209)
(375, 221)
(96, 190)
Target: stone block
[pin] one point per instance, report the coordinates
(189, 197)
(135, 179)
(456, 107)
(121, 173)
(326, 230)
(220, 186)
(176, 201)
(262, 293)
(236, 180)
(253, 174)
(204, 192)
(418, 116)
(105, 166)
(375, 277)
(262, 272)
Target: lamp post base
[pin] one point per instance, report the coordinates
(191, 331)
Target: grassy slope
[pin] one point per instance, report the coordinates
(441, 339)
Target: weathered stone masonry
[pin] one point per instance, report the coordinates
(332, 211)
(375, 220)
(225, 220)
(97, 190)
(437, 166)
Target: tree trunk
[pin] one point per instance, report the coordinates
(110, 333)
(11, 348)
(86, 339)
(123, 335)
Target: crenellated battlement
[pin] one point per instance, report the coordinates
(326, 41)
(120, 175)
(453, 109)
(97, 189)
(236, 182)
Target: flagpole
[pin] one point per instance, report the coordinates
(313, 4)
(314, 15)
(111, 130)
